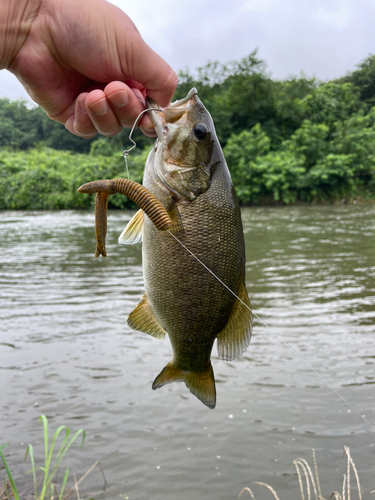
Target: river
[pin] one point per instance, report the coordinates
(66, 352)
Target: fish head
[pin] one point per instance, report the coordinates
(183, 153)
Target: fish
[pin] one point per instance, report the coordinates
(187, 172)
(193, 249)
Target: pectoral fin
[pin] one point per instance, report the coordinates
(143, 319)
(201, 384)
(177, 227)
(133, 232)
(233, 340)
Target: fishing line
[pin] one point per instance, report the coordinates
(127, 168)
(276, 335)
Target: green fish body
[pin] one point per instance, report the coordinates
(187, 173)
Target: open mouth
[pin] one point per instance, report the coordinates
(172, 113)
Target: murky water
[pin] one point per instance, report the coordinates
(65, 351)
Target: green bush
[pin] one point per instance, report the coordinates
(48, 179)
(260, 173)
(318, 162)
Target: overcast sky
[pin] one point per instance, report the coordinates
(322, 38)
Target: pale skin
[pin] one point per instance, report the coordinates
(84, 63)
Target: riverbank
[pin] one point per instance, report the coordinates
(349, 200)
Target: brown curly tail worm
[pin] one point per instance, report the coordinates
(137, 193)
(101, 204)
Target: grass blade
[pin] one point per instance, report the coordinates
(44, 420)
(67, 432)
(11, 480)
(62, 452)
(269, 487)
(246, 489)
(29, 449)
(350, 460)
(64, 483)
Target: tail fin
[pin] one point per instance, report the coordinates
(201, 384)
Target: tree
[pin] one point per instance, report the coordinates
(364, 79)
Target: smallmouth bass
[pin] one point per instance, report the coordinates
(187, 173)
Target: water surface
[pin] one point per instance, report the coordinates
(65, 351)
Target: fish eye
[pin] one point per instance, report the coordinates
(200, 131)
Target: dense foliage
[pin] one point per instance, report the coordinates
(48, 179)
(284, 141)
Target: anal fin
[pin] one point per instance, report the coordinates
(143, 319)
(233, 340)
(133, 232)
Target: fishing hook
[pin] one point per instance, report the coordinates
(192, 92)
(127, 151)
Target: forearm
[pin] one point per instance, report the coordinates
(16, 18)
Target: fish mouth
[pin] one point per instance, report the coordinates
(185, 100)
(170, 114)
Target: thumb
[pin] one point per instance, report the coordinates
(146, 67)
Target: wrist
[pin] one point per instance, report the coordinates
(16, 18)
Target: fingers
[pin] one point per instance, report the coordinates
(108, 111)
(127, 103)
(80, 123)
(101, 113)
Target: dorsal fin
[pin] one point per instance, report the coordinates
(233, 340)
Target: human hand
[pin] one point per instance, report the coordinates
(86, 65)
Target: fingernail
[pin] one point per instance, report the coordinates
(100, 107)
(82, 105)
(119, 99)
(139, 96)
